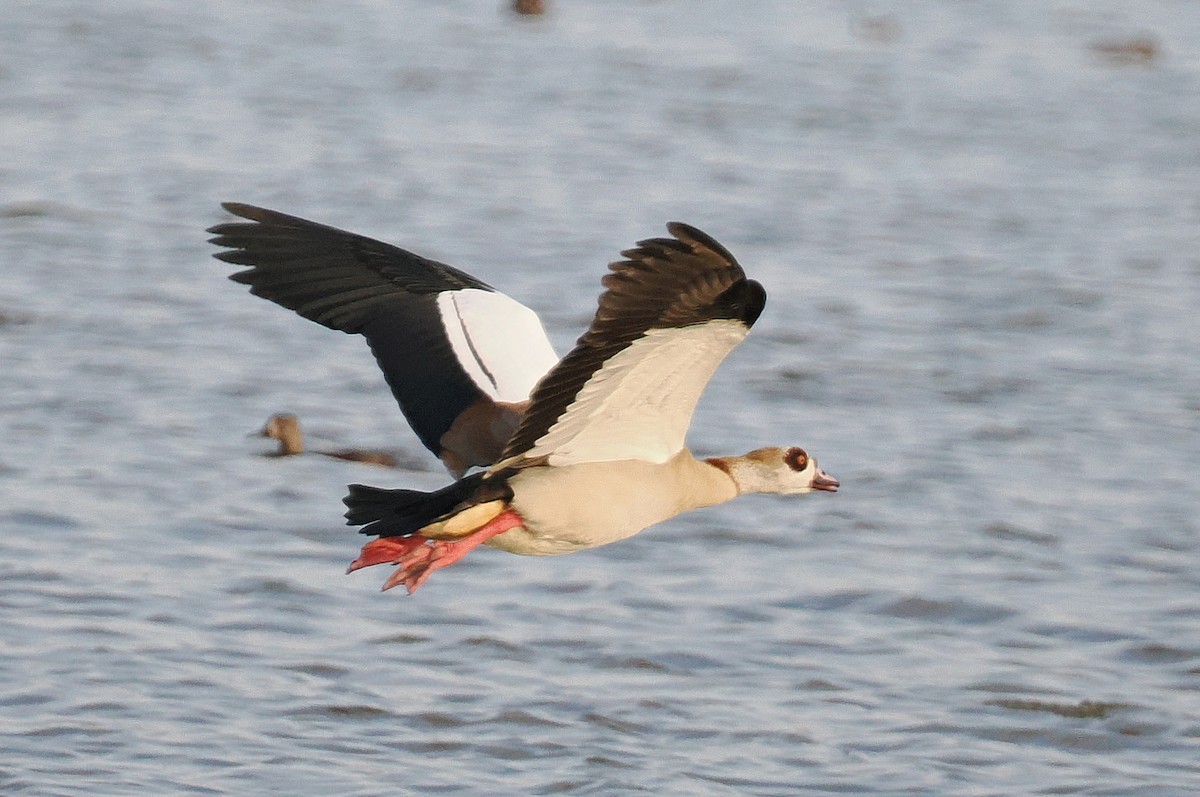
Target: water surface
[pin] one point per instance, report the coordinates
(978, 226)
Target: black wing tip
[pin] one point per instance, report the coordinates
(225, 229)
(260, 215)
(754, 299)
(246, 211)
(695, 238)
(687, 240)
(683, 231)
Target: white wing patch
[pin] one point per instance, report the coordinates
(498, 341)
(639, 404)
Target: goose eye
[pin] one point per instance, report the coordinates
(796, 459)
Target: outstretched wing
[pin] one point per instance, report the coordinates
(456, 354)
(671, 312)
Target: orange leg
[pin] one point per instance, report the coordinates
(419, 557)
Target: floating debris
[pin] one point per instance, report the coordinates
(23, 210)
(882, 28)
(1137, 51)
(1084, 709)
(529, 7)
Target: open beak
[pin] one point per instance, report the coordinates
(823, 481)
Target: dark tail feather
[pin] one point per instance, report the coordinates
(398, 513)
(366, 504)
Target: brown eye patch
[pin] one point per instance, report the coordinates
(796, 458)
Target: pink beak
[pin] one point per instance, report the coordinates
(823, 481)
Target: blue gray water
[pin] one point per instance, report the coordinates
(979, 229)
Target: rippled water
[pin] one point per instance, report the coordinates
(979, 228)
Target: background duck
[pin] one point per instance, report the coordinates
(285, 428)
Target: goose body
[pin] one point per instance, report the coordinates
(595, 455)
(636, 494)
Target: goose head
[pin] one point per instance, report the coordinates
(782, 471)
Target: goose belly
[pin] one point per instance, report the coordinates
(581, 506)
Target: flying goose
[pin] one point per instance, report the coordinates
(284, 427)
(598, 454)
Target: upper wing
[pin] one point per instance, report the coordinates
(451, 348)
(671, 313)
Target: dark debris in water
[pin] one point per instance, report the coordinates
(614, 724)
(1140, 50)
(821, 685)
(270, 586)
(987, 391)
(12, 318)
(524, 718)
(401, 639)
(42, 520)
(1084, 709)
(999, 433)
(319, 669)
(606, 761)
(436, 720)
(529, 7)
(877, 28)
(342, 712)
(25, 210)
(633, 663)
(1155, 653)
(1007, 531)
(918, 608)
(499, 647)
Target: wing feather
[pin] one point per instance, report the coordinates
(437, 364)
(670, 313)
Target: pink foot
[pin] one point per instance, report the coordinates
(419, 557)
(385, 550)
